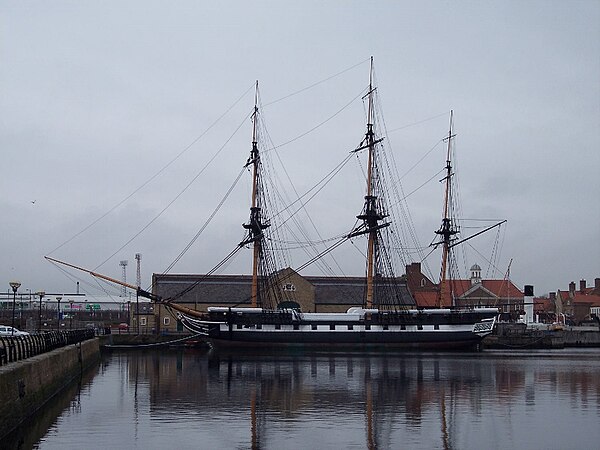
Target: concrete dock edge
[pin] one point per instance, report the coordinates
(25, 386)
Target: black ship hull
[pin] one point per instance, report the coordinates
(417, 329)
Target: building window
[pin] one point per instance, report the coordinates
(166, 321)
(351, 327)
(296, 326)
(313, 327)
(143, 321)
(423, 282)
(277, 326)
(332, 327)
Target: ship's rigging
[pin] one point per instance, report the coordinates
(264, 235)
(381, 281)
(388, 315)
(387, 229)
(449, 229)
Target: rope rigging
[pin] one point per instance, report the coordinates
(181, 153)
(385, 216)
(212, 215)
(380, 221)
(156, 174)
(186, 187)
(267, 252)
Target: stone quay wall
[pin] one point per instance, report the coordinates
(25, 386)
(582, 337)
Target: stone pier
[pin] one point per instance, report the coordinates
(25, 386)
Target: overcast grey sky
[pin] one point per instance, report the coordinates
(97, 97)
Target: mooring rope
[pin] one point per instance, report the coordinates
(156, 344)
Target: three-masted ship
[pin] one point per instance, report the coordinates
(384, 320)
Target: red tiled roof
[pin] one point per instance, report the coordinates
(592, 300)
(578, 297)
(542, 304)
(500, 288)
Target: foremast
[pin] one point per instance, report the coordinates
(255, 226)
(447, 229)
(371, 215)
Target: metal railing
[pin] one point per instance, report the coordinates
(16, 348)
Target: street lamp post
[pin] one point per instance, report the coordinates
(41, 294)
(14, 285)
(58, 299)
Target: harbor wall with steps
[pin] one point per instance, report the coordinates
(25, 386)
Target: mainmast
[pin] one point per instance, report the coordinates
(447, 229)
(371, 216)
(255, 225)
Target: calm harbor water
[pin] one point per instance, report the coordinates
(200, 399)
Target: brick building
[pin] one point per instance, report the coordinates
(474, 291)
(578, 304)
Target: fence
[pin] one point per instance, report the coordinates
(16, 348)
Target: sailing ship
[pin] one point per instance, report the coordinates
(384, 320)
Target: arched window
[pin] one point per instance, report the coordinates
(289, 305)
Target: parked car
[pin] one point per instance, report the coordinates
(5, 330)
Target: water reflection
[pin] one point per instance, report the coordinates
(212, 400)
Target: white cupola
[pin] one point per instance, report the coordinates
(475, 274)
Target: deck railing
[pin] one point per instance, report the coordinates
(16, 348)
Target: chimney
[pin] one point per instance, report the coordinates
(582, 285)
(413, 275)
(553, 296)
(572, 287)
(597, 284)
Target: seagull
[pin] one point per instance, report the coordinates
(33, 202)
